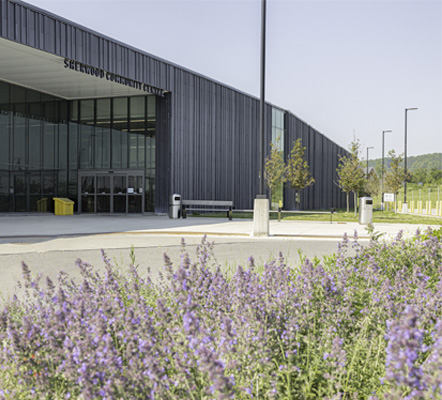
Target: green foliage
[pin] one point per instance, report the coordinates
(424, 161)
(274, 173)
(425, 168)
(351, 176)
(357, 325)
(396, 176)
(419, 176)
(372, 187)
(298, 171)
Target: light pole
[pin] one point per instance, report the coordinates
(261, 203)
(368, 148)
(382, 172)
(405, 207)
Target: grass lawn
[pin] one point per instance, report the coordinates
(339, 216)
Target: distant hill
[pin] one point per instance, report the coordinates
(425, 161)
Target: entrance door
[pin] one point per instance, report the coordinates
(118, 192)
(103, 199)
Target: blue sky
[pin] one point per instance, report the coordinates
(348, 68)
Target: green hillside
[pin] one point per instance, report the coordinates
(426, 168)
(424, 161)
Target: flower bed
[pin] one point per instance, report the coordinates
(366, 326)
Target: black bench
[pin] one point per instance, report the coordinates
(206, 205)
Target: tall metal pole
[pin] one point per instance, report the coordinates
(405, 158)
(262, 99)
(261, 203)
(405, 155)
(382, 172)
(368, 148)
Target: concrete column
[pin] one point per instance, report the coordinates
(261, 217)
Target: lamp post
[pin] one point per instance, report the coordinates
(368, 148)
(262, 99)
(261, 203)
(382, 172)
(405, 207)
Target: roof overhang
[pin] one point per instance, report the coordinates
(39, 70)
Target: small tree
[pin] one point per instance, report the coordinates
(372, 186)
(395, 176)
(274, 173)
(297, 170)
(351, 176)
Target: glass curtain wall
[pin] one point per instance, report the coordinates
(45, 141)
(278, 129)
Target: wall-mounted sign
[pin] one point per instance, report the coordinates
(100, 73)
(388, 196)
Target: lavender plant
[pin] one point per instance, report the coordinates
(365, 326)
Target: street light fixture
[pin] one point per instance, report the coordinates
(368, 148)
(405, 208)
(382, 172)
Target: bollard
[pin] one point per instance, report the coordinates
(419, 207)
(399, 206)
(412, 206)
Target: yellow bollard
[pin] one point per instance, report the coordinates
(430, 208)
(419, 207)
(412, 206)
(440, 208)
(399, 206)
(427, 207)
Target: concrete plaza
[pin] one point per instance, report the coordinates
(49, 243)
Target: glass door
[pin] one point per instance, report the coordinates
(87, 194)
(120, 193)
(103, 194)
(20, 190)
(135, 193)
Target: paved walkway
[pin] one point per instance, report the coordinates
(49, 243)
(28, 226)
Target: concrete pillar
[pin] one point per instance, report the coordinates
(405, 208)
(261, 217)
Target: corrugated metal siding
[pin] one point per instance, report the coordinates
(323, 158)
(207, 133)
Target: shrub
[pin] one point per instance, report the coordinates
(361, 326)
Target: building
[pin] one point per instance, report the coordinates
(118, 130)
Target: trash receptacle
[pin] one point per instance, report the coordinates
(63, 206)
(175, 206)
(42, 205)
(365, 210)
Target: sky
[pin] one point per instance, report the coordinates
(347, 68)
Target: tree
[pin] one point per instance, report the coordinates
(436, 175)
(351, 176)
(396, 175)
(419, 176)
(274, 173)
(297, 170)
(372, 186)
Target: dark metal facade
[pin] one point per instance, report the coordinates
(207, 133)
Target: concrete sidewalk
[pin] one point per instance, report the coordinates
(39, 226)
(50, 244)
